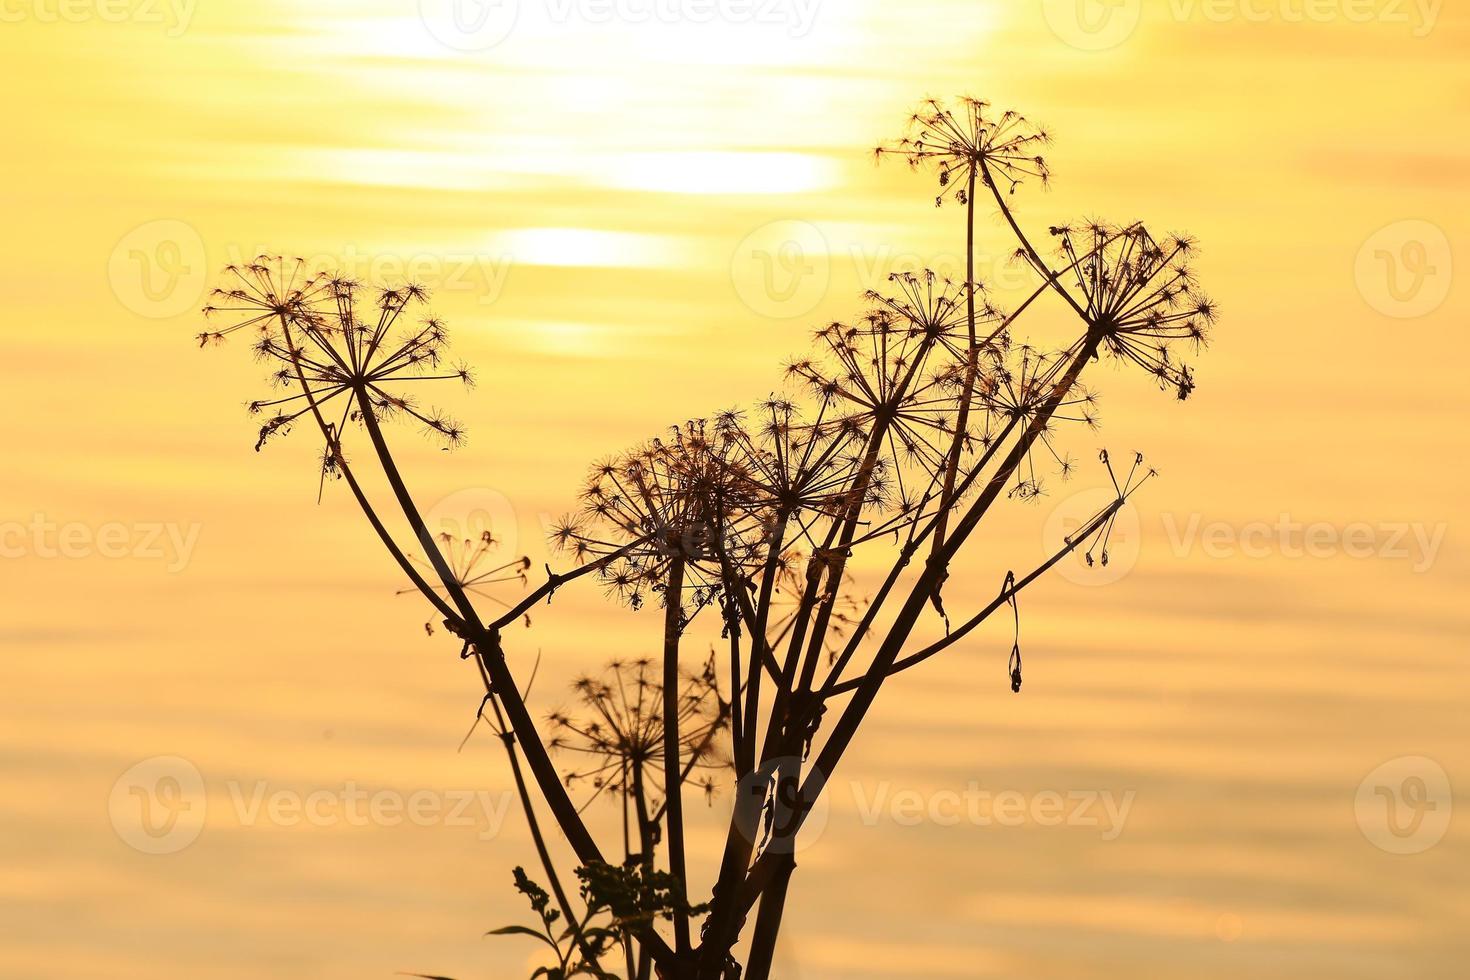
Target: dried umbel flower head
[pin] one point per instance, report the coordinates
(971, 140)
(616, 733)
(1017, 392)
(935, 308)
(789, 468)
(259, 295)
(847, 607)
(924, 304)
(886, 385)
(681, 499)
(474, 569)
(1138, 474)
(1138, 295)
(912, 422)
(343, 356)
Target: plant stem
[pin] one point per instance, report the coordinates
(1041, 266)
(645, 837)
(673, 775)
(556, 580)
(866, 691)
(1006, 594)
(876, 605)
(768, 921)
(962, 417)
(334, 444)
(745, 750)
(883, 660)
(508, 739)
(487, 646)
(410, 510)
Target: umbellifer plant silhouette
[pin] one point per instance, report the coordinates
(896, 436)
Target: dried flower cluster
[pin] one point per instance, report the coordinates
(617, 733)
(337, 352)
(891, 442)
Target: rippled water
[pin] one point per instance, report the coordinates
(592, 199)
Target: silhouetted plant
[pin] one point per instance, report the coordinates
(577, 947)
(475, 572)
(896, 437)
(618, 737)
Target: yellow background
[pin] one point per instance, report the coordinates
(582, 196)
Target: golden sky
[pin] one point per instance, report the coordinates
(597, 190)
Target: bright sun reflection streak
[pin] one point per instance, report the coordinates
(583, 33)
(720, 173)
(608, 63)
(559, 338)
(496, 168)
(584, 247)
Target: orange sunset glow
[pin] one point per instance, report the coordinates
(235, 728)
